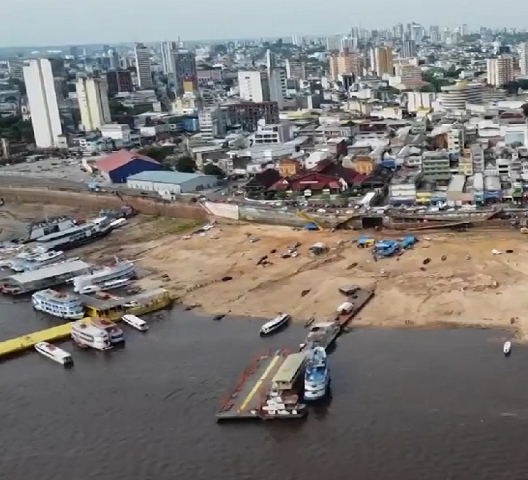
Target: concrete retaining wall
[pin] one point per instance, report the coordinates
(93, 201)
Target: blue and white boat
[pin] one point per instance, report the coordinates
(317, 374)
(62, 305)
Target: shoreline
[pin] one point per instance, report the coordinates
(462, 285)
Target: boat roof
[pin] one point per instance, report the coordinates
(49, 271)
(321, 325)
(55, 295)
(100, 304)
(290, 368)
(86, 326)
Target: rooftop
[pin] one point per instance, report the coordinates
(165, 176)
(50, 271)
(118, 159)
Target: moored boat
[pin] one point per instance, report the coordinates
(275, 324)
(58, 304)
(316, 375)
(54, 353)
(121, 270)
(85, 335)
(321, 334)
(136, 322)
(115, 333)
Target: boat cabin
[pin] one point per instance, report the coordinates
(289, 372)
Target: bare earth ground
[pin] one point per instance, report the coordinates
(485, 290)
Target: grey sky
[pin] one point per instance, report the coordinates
(54, 22)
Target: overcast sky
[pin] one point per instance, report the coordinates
(56, 22)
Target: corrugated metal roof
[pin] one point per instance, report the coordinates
(289, 369)
(51, 271)
(118, 159)
(167, 177)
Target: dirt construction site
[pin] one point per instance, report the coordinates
(448, 279)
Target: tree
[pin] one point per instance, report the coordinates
(186, 164)
(212, 169)
(156, 153)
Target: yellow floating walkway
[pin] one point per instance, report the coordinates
(20, 344)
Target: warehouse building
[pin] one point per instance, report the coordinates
(166, 183)
(118, 166)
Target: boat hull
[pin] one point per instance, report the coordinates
(82, 241)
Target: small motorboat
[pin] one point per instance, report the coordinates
(275, 324)
(54, 353)
(136, 322)
(89, 289)
(507, 348)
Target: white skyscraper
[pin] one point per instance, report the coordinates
(254, 86)
(43, 102)
(500, 70)
(167, 57)
(278, 86)
(524, 58)
(92, 94)
(143, 66)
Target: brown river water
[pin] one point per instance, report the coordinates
(406, 405)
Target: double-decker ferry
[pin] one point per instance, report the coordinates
(62, 305)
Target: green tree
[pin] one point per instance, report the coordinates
(186, 164)
(157, 153)
(212, 169)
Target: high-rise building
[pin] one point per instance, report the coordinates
(143, 66)
(500, 70)
(408, 49)
(167, 50)
(92, 94)
(118, 81)
(382, 60)
(270, 60)
(43, 103)
(345, 62)
(278, 87)
(524, 58)
(296, 69)
(434, 34)
(254, 86)
(113, 59)
(16, 68)
(185, 71)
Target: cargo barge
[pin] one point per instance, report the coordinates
(50, 276)
(265, 389)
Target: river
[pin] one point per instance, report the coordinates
(406, 405)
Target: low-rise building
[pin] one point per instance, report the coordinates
(436, 166)
(167, 182)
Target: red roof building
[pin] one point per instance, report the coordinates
(118, 166)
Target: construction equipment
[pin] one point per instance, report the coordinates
(365, 242)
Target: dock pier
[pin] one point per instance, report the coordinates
(246, 399)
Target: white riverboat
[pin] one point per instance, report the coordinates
(121, 270)
(273, 325)
(54, 353)
(115, 334)
(62, 305)
(136, 322)
(316, 375)
(86, 335)
(26, 262)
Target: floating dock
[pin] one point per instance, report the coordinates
(252, 387)
(358, 300)
(19, 344)
(112, 309)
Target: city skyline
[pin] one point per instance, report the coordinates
(120, 21)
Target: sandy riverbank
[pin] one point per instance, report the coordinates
(486, 290)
